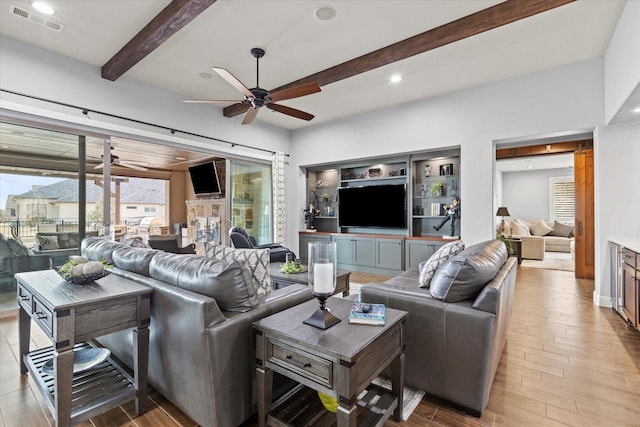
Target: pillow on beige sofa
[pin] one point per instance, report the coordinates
(519, 228)
(540, 228)
(561, 230)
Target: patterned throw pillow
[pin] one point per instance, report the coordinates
(440, 256)
(256, 260)
(48, 243)
(16, 248)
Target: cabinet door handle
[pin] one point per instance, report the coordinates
(299, 365)
(41, 315)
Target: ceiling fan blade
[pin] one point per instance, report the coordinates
(100, 166)
(235, 109)
(132, 166)
(251, 114)
(233, 81)
(294, 92)
(210, 101)
(290, 111)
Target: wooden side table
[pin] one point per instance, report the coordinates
(341, 361)
(70, 315)
(280, 279)
(516, 245)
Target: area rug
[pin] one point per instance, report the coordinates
(412, 397)
(552, 261)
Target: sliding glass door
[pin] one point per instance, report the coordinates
(251, 187)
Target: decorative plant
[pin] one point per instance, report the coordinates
(437, 189)
(507, 243)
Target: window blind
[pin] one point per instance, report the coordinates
(562, 199)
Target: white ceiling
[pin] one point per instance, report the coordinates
(298, 45)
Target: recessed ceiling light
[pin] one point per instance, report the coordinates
(325, 13)
(529, 167)
(636, 110)
(181, 158)
(396, 78)
(205, 75)
(43, 7)
(5, 146)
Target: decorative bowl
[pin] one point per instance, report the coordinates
(85, 279)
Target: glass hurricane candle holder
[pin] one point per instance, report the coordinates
(322, 280)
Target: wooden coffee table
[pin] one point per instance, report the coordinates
(341, 361)
(280, 279)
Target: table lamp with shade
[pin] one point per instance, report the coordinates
(502, 211)
(322, 280)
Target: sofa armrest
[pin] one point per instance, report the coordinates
(532, 247)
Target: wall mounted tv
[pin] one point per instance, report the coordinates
(376, 206)
(205, 181)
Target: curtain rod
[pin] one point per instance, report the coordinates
(86, 111)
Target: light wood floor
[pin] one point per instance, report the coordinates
(566, 362)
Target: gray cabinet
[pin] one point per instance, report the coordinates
(304, 243)
(355, 251)
(417, 251)
(370, 254)
(389, 254)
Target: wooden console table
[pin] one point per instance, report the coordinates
(70, 315)
(341, 361)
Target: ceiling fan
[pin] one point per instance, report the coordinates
(257, 97)
(115, 161)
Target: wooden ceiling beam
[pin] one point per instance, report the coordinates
(542, 149)
(468, 26)
(169, 21)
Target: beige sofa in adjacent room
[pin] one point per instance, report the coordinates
(540, 236)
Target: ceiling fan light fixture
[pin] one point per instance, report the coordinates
(324, 13)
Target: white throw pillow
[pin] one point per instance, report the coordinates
(519, 228)
(441, 255)
(256, 260)
(540, 228)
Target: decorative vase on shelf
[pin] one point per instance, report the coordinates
(322, 280)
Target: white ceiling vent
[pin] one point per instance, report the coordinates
(37, 19)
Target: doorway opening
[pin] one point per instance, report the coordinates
(547, 186)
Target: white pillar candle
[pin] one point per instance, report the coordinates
(323, 278)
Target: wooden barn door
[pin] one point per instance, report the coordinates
(584, 209)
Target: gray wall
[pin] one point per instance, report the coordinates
(527, 194)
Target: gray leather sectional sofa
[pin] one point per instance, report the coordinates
(453, 348)
(201, 345)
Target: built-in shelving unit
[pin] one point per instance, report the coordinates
(435, 183)
(382, 250)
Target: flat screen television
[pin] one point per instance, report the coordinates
(377, 206)
(205, 181)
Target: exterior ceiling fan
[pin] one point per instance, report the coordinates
(115, 161)
(257, 97)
